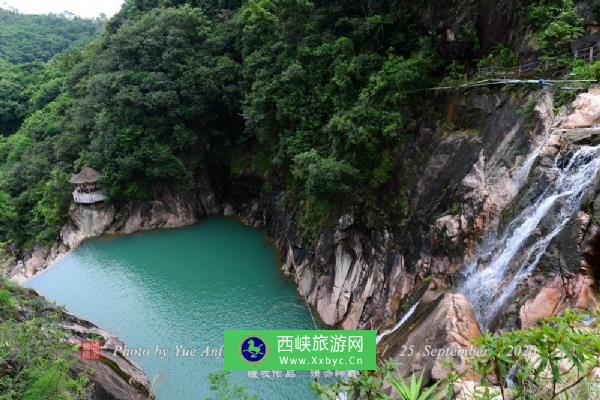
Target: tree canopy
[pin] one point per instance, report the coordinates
(26, 38)
(318, 97)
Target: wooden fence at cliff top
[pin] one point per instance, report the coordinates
(538, 68)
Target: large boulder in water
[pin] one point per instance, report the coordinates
(441, 331)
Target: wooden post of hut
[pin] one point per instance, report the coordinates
(87, 190)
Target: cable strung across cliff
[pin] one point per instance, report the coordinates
(494, 82)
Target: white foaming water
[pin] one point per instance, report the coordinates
(520, 178)
(523, 172)
(522, 245)
(405, 318)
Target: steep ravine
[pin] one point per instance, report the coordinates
(472, 169)
(536, 251)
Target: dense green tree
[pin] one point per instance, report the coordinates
(557, 24)
(317, 88)
(319, 97)
(16, 85)
(160, 87)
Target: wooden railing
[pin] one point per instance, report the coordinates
(513, 72)
(534, 72)
(589, 54)
(82, 197)
(538, 67)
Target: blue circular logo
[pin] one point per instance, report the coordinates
(253, 349)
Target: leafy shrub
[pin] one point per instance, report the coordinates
(413, 390)
(545, 361)
(553, 360)
(557, 23)
(7, 305)
(501, 57)
(34, 354)
(585, 70)
(323, 177)
(224, 390)
(54, 382)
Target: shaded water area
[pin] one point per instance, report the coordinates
(183, 287)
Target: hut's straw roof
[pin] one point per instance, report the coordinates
(87, 175)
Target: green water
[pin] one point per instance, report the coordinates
(183, 287)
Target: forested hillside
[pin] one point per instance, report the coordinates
(26, 43)
(26, 38)
(316, 98)
(406, 188)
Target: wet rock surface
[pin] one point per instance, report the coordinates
(113, 377)
(439, 332)
(467, 174)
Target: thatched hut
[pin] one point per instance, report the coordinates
(87, 190)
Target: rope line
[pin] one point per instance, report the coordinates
(513, 75)
(492, 82)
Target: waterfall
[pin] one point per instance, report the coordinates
(405, 318)
(494, 277)
(523, 172)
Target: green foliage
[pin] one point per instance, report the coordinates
(323, 177)
(224, 390)
(51, 209)
(371, 385)
(34, 160)
(324, 92)
(584, 70)
(34, 353)
(557, 23)
(366, 385)
(140, 110)
(7, 305)
(26, 38)
(53, 382)
(501, 57)
(7, 213)
(16, 83)
(159, 88)
(329, 92)
(547, 360)
(413, 390)
(553, 360)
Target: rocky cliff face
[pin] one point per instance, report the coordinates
(505, 195)
(469, 173)
(483, 159)
(112, 377)
(476, 177)
(115, 377)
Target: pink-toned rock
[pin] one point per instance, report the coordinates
(561, 293)
(169, 212)
(543, 305)
(586, 110)
(443, 331)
